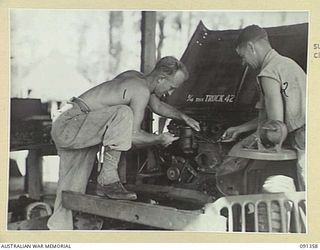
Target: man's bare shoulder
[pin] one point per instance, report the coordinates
(134, 81)
(130, 75)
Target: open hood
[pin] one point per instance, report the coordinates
(218, 81)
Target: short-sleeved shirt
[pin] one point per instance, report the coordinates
(292, 80)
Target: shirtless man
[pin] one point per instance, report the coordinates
(282, 84)
(111, 114)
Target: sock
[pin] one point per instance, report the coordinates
(109, 171)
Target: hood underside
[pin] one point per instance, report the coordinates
(218, 81)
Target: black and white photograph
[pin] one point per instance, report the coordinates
(157, 120)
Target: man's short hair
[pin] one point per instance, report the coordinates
(251, 33)
(169, 65)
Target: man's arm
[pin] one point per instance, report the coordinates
(272, 109)
(250, 125)
(233, 132)
(139, 98)
(273, 99)
(166, 110)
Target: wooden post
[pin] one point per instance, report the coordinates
(148, 53)
(34, 174)
(148, 60)
(148, 41)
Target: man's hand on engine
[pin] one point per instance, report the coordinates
(231, 134)
(191, 122)
(167, 138)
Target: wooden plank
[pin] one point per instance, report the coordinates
(130, 211)
(44, 148)
(169, 192)
(33, 224)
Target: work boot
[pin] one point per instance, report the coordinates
(115, 191)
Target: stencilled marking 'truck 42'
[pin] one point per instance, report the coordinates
(211, 98)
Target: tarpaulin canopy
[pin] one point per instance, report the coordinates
(217, 78)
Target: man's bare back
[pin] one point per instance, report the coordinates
(116, 91)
